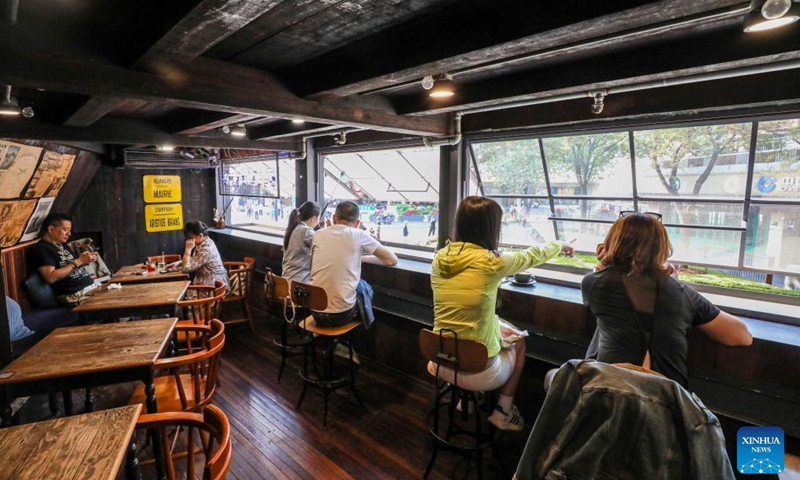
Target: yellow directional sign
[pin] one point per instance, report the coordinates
(162, 188)
(163, 217)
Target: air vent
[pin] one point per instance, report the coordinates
(173, 159)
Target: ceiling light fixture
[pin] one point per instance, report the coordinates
(165, 148)
(239, 131)
(298, 121)
(770, 14)
(443, 87)
(9, 105)
(186, 154)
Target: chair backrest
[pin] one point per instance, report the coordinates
(275, 287)
(448, 351)
(310, 297)
(240, 275)
(214, 433)
(204, 346)
(201, 304)
(168, 258)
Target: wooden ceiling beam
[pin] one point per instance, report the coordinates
(716, 51)
(286, 128)
(447, 41)
(118, 131)
(69, 76)
(193, 122)
(207, 24)
(771, 93)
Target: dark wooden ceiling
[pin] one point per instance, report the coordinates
(152, 72)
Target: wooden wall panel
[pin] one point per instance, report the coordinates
(114, 205)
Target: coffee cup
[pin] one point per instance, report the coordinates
(523, 278)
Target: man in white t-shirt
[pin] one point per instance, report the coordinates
(336, 256)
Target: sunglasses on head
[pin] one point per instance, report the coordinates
(655, 215)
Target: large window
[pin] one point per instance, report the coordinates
(397, 191)
(258, 195)
(723, 205)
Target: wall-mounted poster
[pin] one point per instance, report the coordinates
(51, 175)
(161, 188)
(17, 164)
(13, 218)
(163, 217)
(35, 222)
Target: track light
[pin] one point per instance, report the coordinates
(9, 105)
(237, 131)
(443, 87)
(599, 97)
(186, 154)
(770, 14)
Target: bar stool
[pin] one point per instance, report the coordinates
(276, 288)
(444, 349)
(314, 298)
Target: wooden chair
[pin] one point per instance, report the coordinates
(444, 349)
(188, 382)
(168, 258)
(202, 303)
(314, 298)
(214, 435)
(276, 289)
(240, 276)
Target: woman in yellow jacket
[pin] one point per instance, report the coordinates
(465, 276)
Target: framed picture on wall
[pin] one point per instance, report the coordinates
(35, 222)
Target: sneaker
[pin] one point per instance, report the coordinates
(342, 351)
(507, 421)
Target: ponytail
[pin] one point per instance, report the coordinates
(306, 211)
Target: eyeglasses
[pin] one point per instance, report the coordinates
(655, 215)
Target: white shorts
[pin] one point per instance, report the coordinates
(496, 374)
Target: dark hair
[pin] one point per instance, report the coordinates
(301, 214)
(637, 243)
(54, 219)
(194, 228)
(347, 211)
(478, 221)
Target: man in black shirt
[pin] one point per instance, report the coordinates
(58, 264)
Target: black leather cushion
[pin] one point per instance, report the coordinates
(40, 292)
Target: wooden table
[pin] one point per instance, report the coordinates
(135, 299)
(88, 356)
(90, 446)
(139, 274)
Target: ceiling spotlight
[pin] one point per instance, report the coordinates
(769, 14)
(298, 121)
(427, 82)
(443, 87)
(226, 129)
(9, 105)
(186, 154)
(27, 112)
(165, 148)
(599, 97)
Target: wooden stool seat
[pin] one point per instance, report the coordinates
(310, 325)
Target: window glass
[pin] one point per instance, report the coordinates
(707, 247)
(596, 165)
(702, 161)
(692, 213)
(591, 209)
(773, 238)
(510, 167)
(397, 191)
(776, 173)
(525, 221)
(261, 213)
(258, 178)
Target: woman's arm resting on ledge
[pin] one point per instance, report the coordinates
(728, 330)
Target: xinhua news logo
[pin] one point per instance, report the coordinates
(760, 450)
